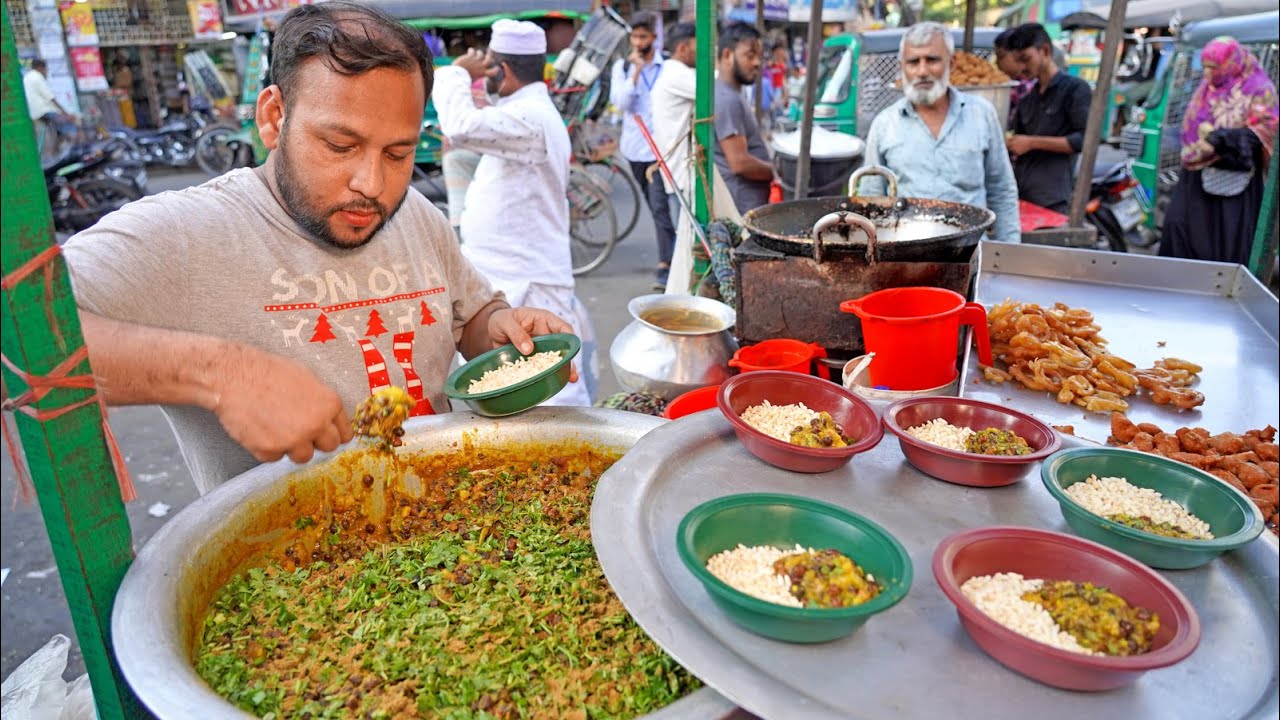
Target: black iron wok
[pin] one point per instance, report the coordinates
(834, 227)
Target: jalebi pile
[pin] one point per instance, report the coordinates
(1061, 350)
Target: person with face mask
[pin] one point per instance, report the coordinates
(1049, 123)
(515, 224)
(942, 144)
(261, 307)
(740, 155)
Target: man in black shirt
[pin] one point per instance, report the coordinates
(1048, 125)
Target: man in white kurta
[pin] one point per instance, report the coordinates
(516, 220)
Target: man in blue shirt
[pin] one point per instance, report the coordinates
(633, 78)
(941, 143)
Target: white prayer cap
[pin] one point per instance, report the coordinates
(517, 37)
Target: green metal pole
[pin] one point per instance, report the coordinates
(1263, 256)
(67, 456)
(704, 108)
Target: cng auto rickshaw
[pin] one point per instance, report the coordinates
(1154, 136)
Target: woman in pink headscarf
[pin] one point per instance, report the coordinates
(1228, 134)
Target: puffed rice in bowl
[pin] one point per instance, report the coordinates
(780, 398)
(945, 420)
(521, 381)
(1231, 517)
(1042, 554)
(771, 524)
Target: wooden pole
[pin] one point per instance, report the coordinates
(1097, 111)
(970, 17)
(813, 46)
(704, 108)
(67, 456)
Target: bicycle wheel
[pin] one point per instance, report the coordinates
(622, 186)
(593, 226)
(219, 150)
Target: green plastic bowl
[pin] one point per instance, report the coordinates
(522, 395)
(783, 521)
(1233, 519)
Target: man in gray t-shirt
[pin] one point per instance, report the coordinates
(260, 307)
(741, 156)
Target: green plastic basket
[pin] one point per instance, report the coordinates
(522, 395)
(1233, 519)
(784, 521)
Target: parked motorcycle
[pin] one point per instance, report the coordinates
(223, 148)
(85, 184)
(172, 144)
(1117, 208)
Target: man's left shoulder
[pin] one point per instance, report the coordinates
(1073, 85)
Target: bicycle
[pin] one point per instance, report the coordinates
(593, 225)
(603, 162)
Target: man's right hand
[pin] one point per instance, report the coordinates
(638, 63)
(274, 407)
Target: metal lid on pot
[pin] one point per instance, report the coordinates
(824, 144)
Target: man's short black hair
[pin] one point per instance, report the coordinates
(734, 33)
(1026, 36)
(1002, 40)
(646, 20)
(678, 34)
(350, 38)
(39, 64)
(528, 69)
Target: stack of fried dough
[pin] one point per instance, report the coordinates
(1247, 462)
(1061, 350)
(968, 69)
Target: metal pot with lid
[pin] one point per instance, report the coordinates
(891, 228)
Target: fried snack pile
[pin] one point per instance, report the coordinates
(969, 69)
(1248, 462)
(1061, 350)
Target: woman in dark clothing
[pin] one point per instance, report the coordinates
(1229, 130)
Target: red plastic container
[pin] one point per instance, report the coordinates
(914, 333)
(692, 402)
(966, 468)
(1055, 556)
(781, 354)
(853, 414)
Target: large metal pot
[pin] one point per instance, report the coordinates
(669, 359)
(161, 603)
(902, 229)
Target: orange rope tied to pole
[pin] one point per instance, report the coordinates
(40, 385)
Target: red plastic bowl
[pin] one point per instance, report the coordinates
(1055, 556)
(965, 468)
(692, 402)
(785, 388)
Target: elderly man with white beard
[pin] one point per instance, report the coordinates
(942, 144)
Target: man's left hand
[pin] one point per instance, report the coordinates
(518, 326)
(1019, 144)
(474, 63)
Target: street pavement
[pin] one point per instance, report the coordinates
(34, 607)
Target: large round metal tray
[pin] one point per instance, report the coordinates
(914, 660)
(162, 600)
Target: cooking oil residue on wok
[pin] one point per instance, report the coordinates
(677, 319)
(902, 230)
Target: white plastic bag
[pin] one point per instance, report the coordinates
(36, 690)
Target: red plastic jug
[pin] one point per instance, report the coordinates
(914, 332)
(780, 354)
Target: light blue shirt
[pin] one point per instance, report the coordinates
(631, 99)
(966, 163)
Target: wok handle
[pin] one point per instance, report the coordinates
(879, 170)
(837, 219)
(976, 315)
